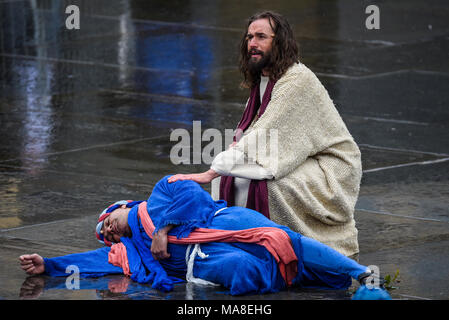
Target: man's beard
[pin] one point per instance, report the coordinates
(255, 67)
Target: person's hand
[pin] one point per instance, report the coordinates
(159, 244)
(232, 144)
(201, 178)
(32, 263)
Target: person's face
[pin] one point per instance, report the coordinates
(116, 225)
(259, 41)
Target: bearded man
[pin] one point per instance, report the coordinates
(293, 158)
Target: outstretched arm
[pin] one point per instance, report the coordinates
(90, 263)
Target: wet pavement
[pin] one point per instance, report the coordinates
(86, 117)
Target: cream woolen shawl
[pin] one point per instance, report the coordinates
(317, 168)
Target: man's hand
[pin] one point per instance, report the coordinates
(159, 243)
(32, 263)
(205, 177)
(232, 144)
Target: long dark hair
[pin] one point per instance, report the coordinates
(284, 52)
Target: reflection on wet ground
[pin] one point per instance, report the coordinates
(118, 287)
(86, 117)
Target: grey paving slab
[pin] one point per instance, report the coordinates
(397, 135)
(47, 196)
(421, 271)
(416, 191)
(376, 158)
(378, 233)
(419, 98)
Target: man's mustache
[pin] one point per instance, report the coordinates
(255, 51)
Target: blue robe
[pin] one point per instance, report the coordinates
(242, 268)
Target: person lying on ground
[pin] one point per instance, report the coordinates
(181, 234)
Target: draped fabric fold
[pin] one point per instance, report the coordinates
(119, 258)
